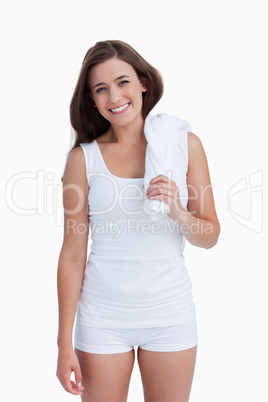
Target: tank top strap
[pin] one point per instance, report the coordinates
(92, 160)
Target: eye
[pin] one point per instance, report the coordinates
(123, 82)
(100, 89)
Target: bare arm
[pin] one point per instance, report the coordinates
(73, 254)
(200, 223)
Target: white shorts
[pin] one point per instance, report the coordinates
(161, 339)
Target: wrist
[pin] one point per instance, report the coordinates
(183, 216)
(64, 344)
(65, 349)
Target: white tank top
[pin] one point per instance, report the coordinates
(135, 276)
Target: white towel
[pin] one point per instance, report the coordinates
(162, 133)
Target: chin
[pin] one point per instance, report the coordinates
(125, 120)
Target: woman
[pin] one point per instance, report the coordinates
(134, 288)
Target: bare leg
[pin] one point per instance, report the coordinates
(167, 376)
(106, 377)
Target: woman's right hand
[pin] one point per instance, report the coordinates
(68, 362)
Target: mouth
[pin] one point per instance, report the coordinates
(120, 109)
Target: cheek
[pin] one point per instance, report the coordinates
(135, 93)
(100, 101)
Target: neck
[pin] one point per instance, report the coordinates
(132, 134)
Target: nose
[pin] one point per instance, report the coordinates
(115, 95)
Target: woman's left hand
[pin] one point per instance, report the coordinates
(163, 188)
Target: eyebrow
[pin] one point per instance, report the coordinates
(118, 78)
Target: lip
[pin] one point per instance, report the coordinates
(121, 111)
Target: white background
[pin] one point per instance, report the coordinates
(213, 57)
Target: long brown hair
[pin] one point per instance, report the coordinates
(86, 120)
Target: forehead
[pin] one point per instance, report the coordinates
(109, 70)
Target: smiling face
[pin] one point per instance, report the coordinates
(116, 91)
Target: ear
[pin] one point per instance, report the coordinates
(144, 88)
(143, 85)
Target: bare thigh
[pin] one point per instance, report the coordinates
(106, 377)
(167, 376)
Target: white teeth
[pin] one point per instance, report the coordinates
(119, 109)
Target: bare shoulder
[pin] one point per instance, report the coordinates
(194, 143)
(196, 152)
(75, 204)
(76, 154)
(75, 169)
(193, 138)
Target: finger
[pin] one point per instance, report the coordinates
(78, 375)
(74, 385)
(161, 177)
(160, 190)
(162, 197)
(77, 384)
(162, 185)
(67, 385)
